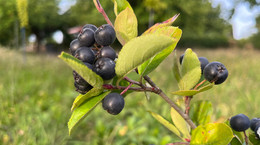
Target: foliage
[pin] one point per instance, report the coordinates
(22, 12)
(135, 52)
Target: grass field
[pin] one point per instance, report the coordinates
(36, 96)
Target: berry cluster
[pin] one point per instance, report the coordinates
(92, 47)
(212, 71)
(241, 122)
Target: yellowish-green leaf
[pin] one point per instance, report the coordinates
(126, 26)
(162, 24)
(87, 74)
(190, 70)
(153, 63)
(212, 134)
(138, 50)
(84, 109)
(166, 124)
(193, 92)
(181, 124)
(120, 5)
(81, 98)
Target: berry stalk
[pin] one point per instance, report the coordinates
(101, 10)
(246, 138)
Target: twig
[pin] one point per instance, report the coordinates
(187, 104)
(138, 89)
(171, 103)
(101, 10)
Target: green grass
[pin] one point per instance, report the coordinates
(36, 96)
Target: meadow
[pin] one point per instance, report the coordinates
(36, 95)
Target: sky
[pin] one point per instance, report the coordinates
(243, 21)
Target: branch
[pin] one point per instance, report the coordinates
(101, 10)
(112, 87)
(171, 103)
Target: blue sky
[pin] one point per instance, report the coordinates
(243, 21)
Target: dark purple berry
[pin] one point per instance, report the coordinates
(254, 122)
(257, 131)
(105, 35)
(105, 67)
(85, 54)
(215, 72)
(108, 52)
(181, 58)
(74, 45)
(83, 89)
(240, 122)
(86, 38)
(113, 103)
(203, 62)
(90, 26)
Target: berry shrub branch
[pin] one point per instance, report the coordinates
(153, 89)
(171, 103)
(101, 10)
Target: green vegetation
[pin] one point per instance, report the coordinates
(36, 97)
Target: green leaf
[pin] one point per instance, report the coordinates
(81, 98)
(91, 77)
(126, 26)
(238, 136)
(138, 50)
(166, 123)
(153, 63)
(84, 109)
(253, 139)
(193, 92)
(181, 124)
(201, 112)
(236, 141)
(190, 70)
(211, 134)
(162, 24)
(120, 5)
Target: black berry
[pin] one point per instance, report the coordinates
(181, 58)
(203, 62)
(240, 122)
(108, 52)
(105, 35)
(90, 26)
(74, 45)
(105, 67)
(254, 122)
(85, 54)
(113, 103)
(257, 131)
(83, 89)
(86, 38)
(215, 72)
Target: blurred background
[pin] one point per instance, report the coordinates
(36, 88)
